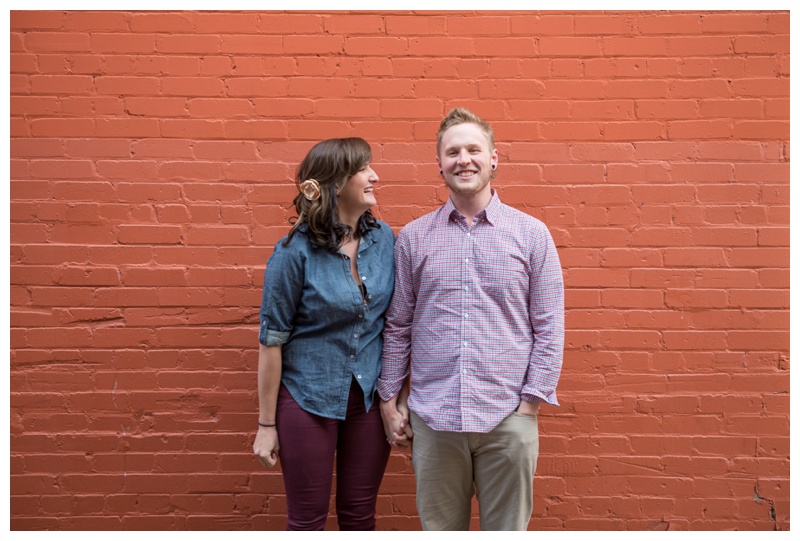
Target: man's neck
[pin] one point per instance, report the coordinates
(470, 205)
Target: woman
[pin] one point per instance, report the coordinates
(326, 289)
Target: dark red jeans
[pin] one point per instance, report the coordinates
(308, 444)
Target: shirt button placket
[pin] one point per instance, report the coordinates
(465, 352)
(469, 352)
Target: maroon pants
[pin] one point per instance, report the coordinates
(308, 444)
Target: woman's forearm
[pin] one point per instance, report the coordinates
(269, 382)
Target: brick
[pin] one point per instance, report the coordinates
(134, 127)
(354, 24)
(127, 85)
(34, 105)
(192, 86)
(177, 43)
(181, 129)
(635, 46)
(23, 63)
(576, 89)
(761, 130)
(280, 107)
(117, 43)
(92, 148)
(696, 298)
(70, 42)
(599, 25)
(568, 46)
(667, 109)
(759, 257)
(216, 108)
(413, 25)
(220, 235)
(160, 22)
(539, 109)
(235, 23)
(29, 233)
(62, 127)
(84, 276)
(91, 106)
(39, 20)
(734, 22)
(97, 21)
(157, 106)
(85, 234)
(149, 234)
(151, 148)
(762, 44)
(78, 191)
(610, 109)
(777, 108)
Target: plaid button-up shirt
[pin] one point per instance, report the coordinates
(477, 317)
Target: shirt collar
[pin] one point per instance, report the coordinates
(491, 212)
(366, 241)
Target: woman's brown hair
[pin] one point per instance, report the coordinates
(331, 163)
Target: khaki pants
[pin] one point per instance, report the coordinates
(497, 467)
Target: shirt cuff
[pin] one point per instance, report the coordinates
(533, 396)
(268, 337)
(387, 389)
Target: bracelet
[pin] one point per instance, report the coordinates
(266, 426)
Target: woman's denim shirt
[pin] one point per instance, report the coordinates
(330, 333)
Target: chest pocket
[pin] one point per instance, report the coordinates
(505, 277)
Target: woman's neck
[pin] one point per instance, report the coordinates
(350, 220)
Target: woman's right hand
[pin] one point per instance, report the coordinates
(266, 446)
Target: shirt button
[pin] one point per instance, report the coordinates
(466, 260)
(359, 376)
(355, 335)
(468, 234)
(466, 288)
(466, 343)
(360, 316)
(352, 356)
(466, 316)
(363, 277)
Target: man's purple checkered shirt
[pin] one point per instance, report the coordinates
(480, 314)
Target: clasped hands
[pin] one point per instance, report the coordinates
(396, 423)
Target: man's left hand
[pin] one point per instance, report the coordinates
(529, 408)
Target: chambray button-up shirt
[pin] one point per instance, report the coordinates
(330, 333)
(478, 312)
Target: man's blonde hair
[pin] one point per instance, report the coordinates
(460, 115)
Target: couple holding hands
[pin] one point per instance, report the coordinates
(447, 339)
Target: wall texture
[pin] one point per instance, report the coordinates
(152, 156)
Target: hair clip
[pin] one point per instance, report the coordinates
(310, 189)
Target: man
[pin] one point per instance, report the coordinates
(477, 322)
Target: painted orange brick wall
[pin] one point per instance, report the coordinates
(151, 163)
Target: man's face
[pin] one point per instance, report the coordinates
(466, 159)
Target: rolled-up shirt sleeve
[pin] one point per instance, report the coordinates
(546, 307)
(399, 317)
(283, 285)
